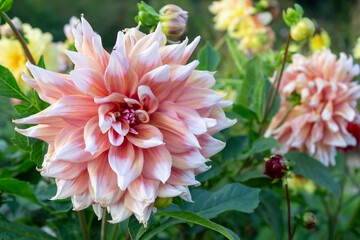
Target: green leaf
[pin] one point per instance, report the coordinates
(37, 151)
(259, 97)
(9, 87)
(193, 218)
(21, 141)
(234, 148)
(208, 57)
(312, 169)
(208, 204)
(18, 188)
(10, 231)
(214, 171)
(245, 112)
(5, 5)
(41, 62)
(264, 144)
(136, 229)
(237, 56)
(66, 228)
(270, 211)
(25, 110)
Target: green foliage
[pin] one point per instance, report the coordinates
(208, 57)
(147, 16)
(5, 5)
(9, 87)
(311, 168)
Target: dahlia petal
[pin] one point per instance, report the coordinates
(148, 136)
(70, 145)
(115, 138)
(188, 160)
(172, 54)
(141, 210)
(334, 139)
(346, 111)
(112, 98)
(168, 191)
(210, 146)
(120, 44)
(221, 120)
(116, 72)
(40, 118)
(182, 177)
(63, 170)
(101, 56)
(200, 79)
(146, 60)
(147, 99)
(189, 50)
(44, 132)
(81, 60)
(121, 158)
(32, 83)
(89, 81)
(104, 190)
(135, 171)
(105, 121)
(81, 201)
(196, 98)
(181, 73)
(76, 114)
(119, 212)
(95, 141)
(158, 80)
(327, 112)
(98, 210)
(70, 187)
(157, 163)
(87, 35)
(144, 190)
(132, 36)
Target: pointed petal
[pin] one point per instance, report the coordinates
(189, 50)
(44, 132)
(157, 163)
(188, 160)
(81, 201)
(89, 81)
(172, 54)
(147, 99)
(158, 80)
(182, 177)
(115, 138)
(210, 146)
(148, 136)
(144, 190)
(70, 187)
(197, 98)
(95, 141)
(63, 170)
(119, 212)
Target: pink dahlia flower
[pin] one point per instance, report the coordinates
(328, 102)
(127, 127)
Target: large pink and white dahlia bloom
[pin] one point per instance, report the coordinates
(128, 126)
(328, 102)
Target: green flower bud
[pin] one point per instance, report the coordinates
(303, 30)
(309, 220)
(5, 5)
(162, 203)
(173, 20)
(147, 16)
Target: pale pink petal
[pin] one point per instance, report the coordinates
(148, 136)
(115, 138)
(44, 132)
(89, 81)
(119, 212)
(120, 44)
(141, 210)
(196, 98)
(210, 146)
(101, 56)
(81, 201)
(182, 177)
(116, 73)
(169, 191)
(81, 60)
(63, 170)
(105, 121)
(188, 160)
(144, 190)
(147, 99)
(95, 141)
(201, 79)
(172, 54)
(189, 50)
(158, 80)
(70, 187)
(157, 163)
(104, 190)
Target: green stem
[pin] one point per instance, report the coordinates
(114, 231)
(19, 37)
(338, 208)
(271, 101)
(288, 210)
(284, 117)
(82, 221)
(103, 225)
(220, 43)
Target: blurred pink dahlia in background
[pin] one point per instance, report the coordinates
(317, 125)
(127, 127)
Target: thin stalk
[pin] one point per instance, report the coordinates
(19, 37)
(82, 221)
(288, 210)
(284, 117)
(338, 208)
(114, 231)
(219, 43)
(103, 225)
(277, 82)
(127, 237)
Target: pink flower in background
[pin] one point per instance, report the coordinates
(127, 127)
(328, 102)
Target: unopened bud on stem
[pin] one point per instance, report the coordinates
(173, 20)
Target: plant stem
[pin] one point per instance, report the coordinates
(219, 43)
(19, 37)
(288, 209)
(337, 211)
(272, 96)
(114, 231)
(103, 225)
(82, 221)
(284, 117)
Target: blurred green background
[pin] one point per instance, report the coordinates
(339, 17)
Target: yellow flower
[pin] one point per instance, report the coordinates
(356, 51)
(13, 57)
(298, 183)
(320, 40)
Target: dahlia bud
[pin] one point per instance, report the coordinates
(5, 5)
(173, 20)
(309, 220)
(276, 167)
(6, 31)
(303, 30)
(162, 203)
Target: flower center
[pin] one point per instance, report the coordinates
(128, 116)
